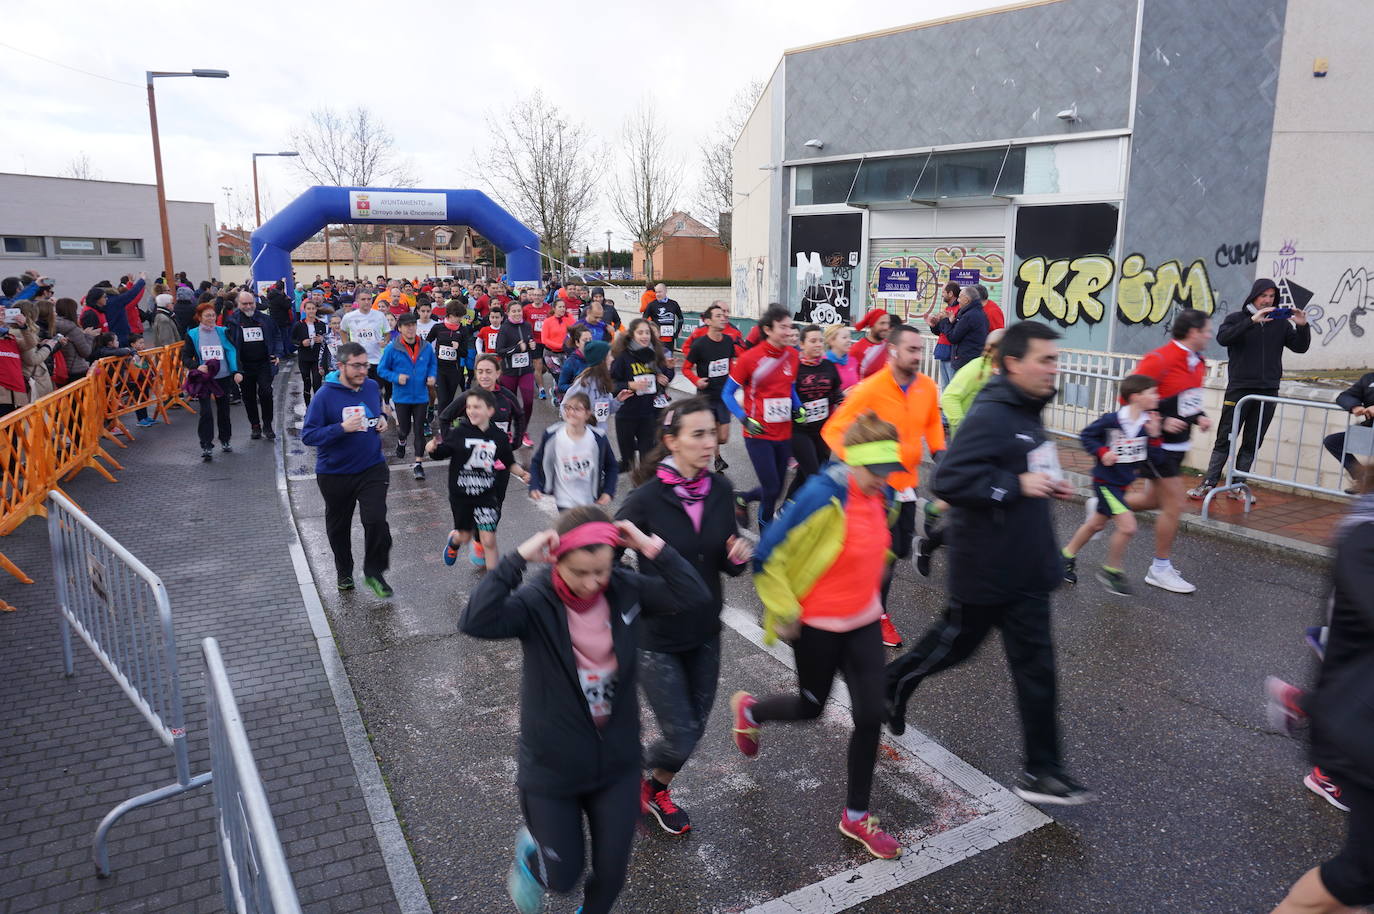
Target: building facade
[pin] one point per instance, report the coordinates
(1098, 164)
(79, 232)
(690, 251)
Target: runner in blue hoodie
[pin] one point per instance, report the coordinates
(408, 363)
(344, 424)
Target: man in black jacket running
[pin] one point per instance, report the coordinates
(998, 476)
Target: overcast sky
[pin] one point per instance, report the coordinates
(430, 70)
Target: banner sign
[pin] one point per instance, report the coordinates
(396, 205)
(901, 283)
(964, 276)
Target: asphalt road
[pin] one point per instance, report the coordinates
(1201, 809)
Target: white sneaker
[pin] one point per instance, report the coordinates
(1089, 509)
(1168, 579)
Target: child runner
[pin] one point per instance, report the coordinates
(312, 358)
(450, 341)
(573, 357)
(479, 451)
(639, 367)
(574, 463)
(596, 383)
(819, 389)
(766, 374)
(484, 340)
(553, 336)
(819, 571)
(678, 498)
(515, 345)
(706, 363)
(578, 625)
(537, 311)
(1121, 441)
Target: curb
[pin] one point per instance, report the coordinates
(400, 865)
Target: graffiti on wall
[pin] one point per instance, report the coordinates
(1286, 264)
(748, 285)
(824, 299)
(1068, 291)
(1234, 255)
(1351, 301)
(932, 272)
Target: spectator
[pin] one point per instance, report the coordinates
(1358, 400)
(109, 312)
(76, 342)
(15, 341)
(35, 358)
(163, 329)
(996, 319)
(943, 350)
(14, 289)
(966, 331)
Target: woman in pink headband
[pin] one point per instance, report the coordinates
(576, 614)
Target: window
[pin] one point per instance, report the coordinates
(77, 247)
(124, 247)
(977, 173)
(887, 180)
(25, 245)
(827, 183)
(680, 226)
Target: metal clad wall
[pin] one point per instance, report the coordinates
(985, 78)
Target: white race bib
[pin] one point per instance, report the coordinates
(350, 411)
(310, 331)
(661, 401)
(519, 360)
(1190, 402)
(212, 352)
(601, 410)
(1129, 450)
(252, 334)
(718, 368)
(777, 409)
(1045, 459)
(905, 495)
(816, 410)
(578, 468)
(539, 325)
(598, 686)
(448, 353)
(482, 456)
(504, 426)
(653, 383)
(365, 335)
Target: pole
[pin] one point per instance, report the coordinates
(161, 191)
(257, 207)
(608, 255)
(386, 256)
(328, 270)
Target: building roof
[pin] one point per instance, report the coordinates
(1024, 4)
(369, 252)
(691, 228)
(11, 174)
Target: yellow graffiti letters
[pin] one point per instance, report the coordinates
(1146, 296)
(1086, 277)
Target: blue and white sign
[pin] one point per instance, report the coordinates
(964, 276)
(900, 283)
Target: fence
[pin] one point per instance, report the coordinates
(1293, 452)
(52, 439)
(115, 604)
(253, 871)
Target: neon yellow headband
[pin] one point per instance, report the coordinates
(872, 453)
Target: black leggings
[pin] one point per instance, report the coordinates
(257, 394)
(680, 687)
(770, 465)
(903, 530)
(635, 434)
(811, 453)
(556, 826)
(857, 654)
(310, 378)
(214, 408)
(407, 415)
(450, 382)
(1349, 876)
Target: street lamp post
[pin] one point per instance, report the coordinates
(257, 207)
(608, 254)
(157, 162)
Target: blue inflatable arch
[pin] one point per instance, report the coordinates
(276, 238)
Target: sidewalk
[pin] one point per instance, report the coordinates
(73, 748)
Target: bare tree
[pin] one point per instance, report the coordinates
(715, 193)
(352, 149)
(540, 166)
(80, 167)
(645, 193)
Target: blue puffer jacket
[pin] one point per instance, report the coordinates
(396, 362)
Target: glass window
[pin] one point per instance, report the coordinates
(827, 183)
(78, 247)
(124, 247)
(30, 245)
(973, 174)
(887, 180)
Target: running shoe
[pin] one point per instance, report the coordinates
(270, 433)
(1316, 639)
(1052, 789)
(255, 433)
(207, 455)
(345, 582)
(1283, 706)
(1168, 579)
(524, 888)
(1070, 570)
(419, 472)
(896, 716)
(401, 451)
(1243, 496)
(1199, 492)
(1324, 787)
(660, 805)
(890, 636)
(921, 560)
(866, 831)
(746, 733)
(1115, 581)
(543, 394)
(478, 555)
(741, 512)
(450, 552)
(146, 422)
(525, 441)
(226, 448)
(429, 430)
(378, 585)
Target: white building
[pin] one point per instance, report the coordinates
(80, 232)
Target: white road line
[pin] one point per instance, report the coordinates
(1008, 817)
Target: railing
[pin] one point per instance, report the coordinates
(120, 609)
(1293, 453)
(253, 872)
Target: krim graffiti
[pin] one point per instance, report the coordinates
(932, 273)
(1070, 291)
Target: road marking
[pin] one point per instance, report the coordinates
(1008, 817)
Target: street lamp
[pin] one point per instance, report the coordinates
(157, 161)
(608, 255)
(257, 208)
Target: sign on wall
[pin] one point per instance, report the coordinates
(396, 205)
(965, 276)
(899, 283)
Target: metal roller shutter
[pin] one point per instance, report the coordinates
(934, 258)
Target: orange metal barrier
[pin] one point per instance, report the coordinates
(24, 474)
(149, 380)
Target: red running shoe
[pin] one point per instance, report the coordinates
(746, 733)
(1324, 787)
(660, 805)
(890, 636)
(866, 831)
(1283, 706)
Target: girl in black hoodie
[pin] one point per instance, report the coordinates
(639, 367)
(578, 625)
(692, 509)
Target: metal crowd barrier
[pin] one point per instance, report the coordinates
(253, 872)
(120, 609)
(1311, 466)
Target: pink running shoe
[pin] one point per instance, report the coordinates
(1283, 706)
(1324, 787)
(746, 733)
(866, 831)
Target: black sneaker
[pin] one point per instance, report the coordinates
(1070, 570)
(378, 585)
(896, 716)
(1114, 581)
(741, 512)
(923, 554)
(257, 432)
(721, 465)
(345, 582)
(429, 430)
(1052, 789)
(270, 433)
(207, 454)
(659, 804)
(226, 448)
(419, 472)
(401, 451)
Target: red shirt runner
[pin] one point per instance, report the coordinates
(766, 374)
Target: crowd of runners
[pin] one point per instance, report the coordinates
(624, 593)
